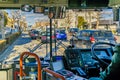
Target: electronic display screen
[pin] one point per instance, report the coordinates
(38, 9)
(101, 54)
(57, 65)
(87, 56)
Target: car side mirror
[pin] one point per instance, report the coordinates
(26, 8)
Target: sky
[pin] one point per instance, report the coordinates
(31, 17)
(108, 14)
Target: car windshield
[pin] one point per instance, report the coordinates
(35, 32)
(46, 33)
(97, 34)
(74, 29)
(108, 34)
(103, 34)
(62, 31)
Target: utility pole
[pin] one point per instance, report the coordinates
(50, 15)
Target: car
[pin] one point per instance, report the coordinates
(45, 37)
(88, 37)
(39, 33)
(61, 34)
(118, 31)
(34, 34)
(8, 30)
(73, 31)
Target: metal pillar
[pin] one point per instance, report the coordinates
(50, 17)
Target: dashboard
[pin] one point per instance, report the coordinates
(83, 58)
(87, 57)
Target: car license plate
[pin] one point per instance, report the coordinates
(36, 34)
(48, 37)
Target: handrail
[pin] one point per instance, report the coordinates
(54, 73)
(16, 73)
(39, 64)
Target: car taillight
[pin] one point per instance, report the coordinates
(43, 37)
(53, 37)
(33, 34)
(92, 39)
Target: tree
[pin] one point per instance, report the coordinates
(68, 19)
(97, 17)
(81, 22)
(3, 21)
(5, 18)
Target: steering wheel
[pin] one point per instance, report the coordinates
(94, 54)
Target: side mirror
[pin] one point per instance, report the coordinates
(26, 8)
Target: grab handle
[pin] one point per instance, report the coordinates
(39, 64)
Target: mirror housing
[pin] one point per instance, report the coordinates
(26, 8)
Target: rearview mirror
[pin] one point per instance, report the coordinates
(26, 8)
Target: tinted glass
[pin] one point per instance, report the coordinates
(62, 31)
(74, 30)
(85, 34)
(36, 32)
(97, 34)
(108, 34)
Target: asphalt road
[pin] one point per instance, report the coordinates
(25, 43)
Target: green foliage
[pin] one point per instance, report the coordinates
(81, 21)
(5, 18)
(2, 45)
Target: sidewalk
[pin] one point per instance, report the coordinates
(22, 44)
(9, 47)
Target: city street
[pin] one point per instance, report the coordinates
(20, 45)
(25, 43)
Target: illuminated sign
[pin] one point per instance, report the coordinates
(38, 9)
